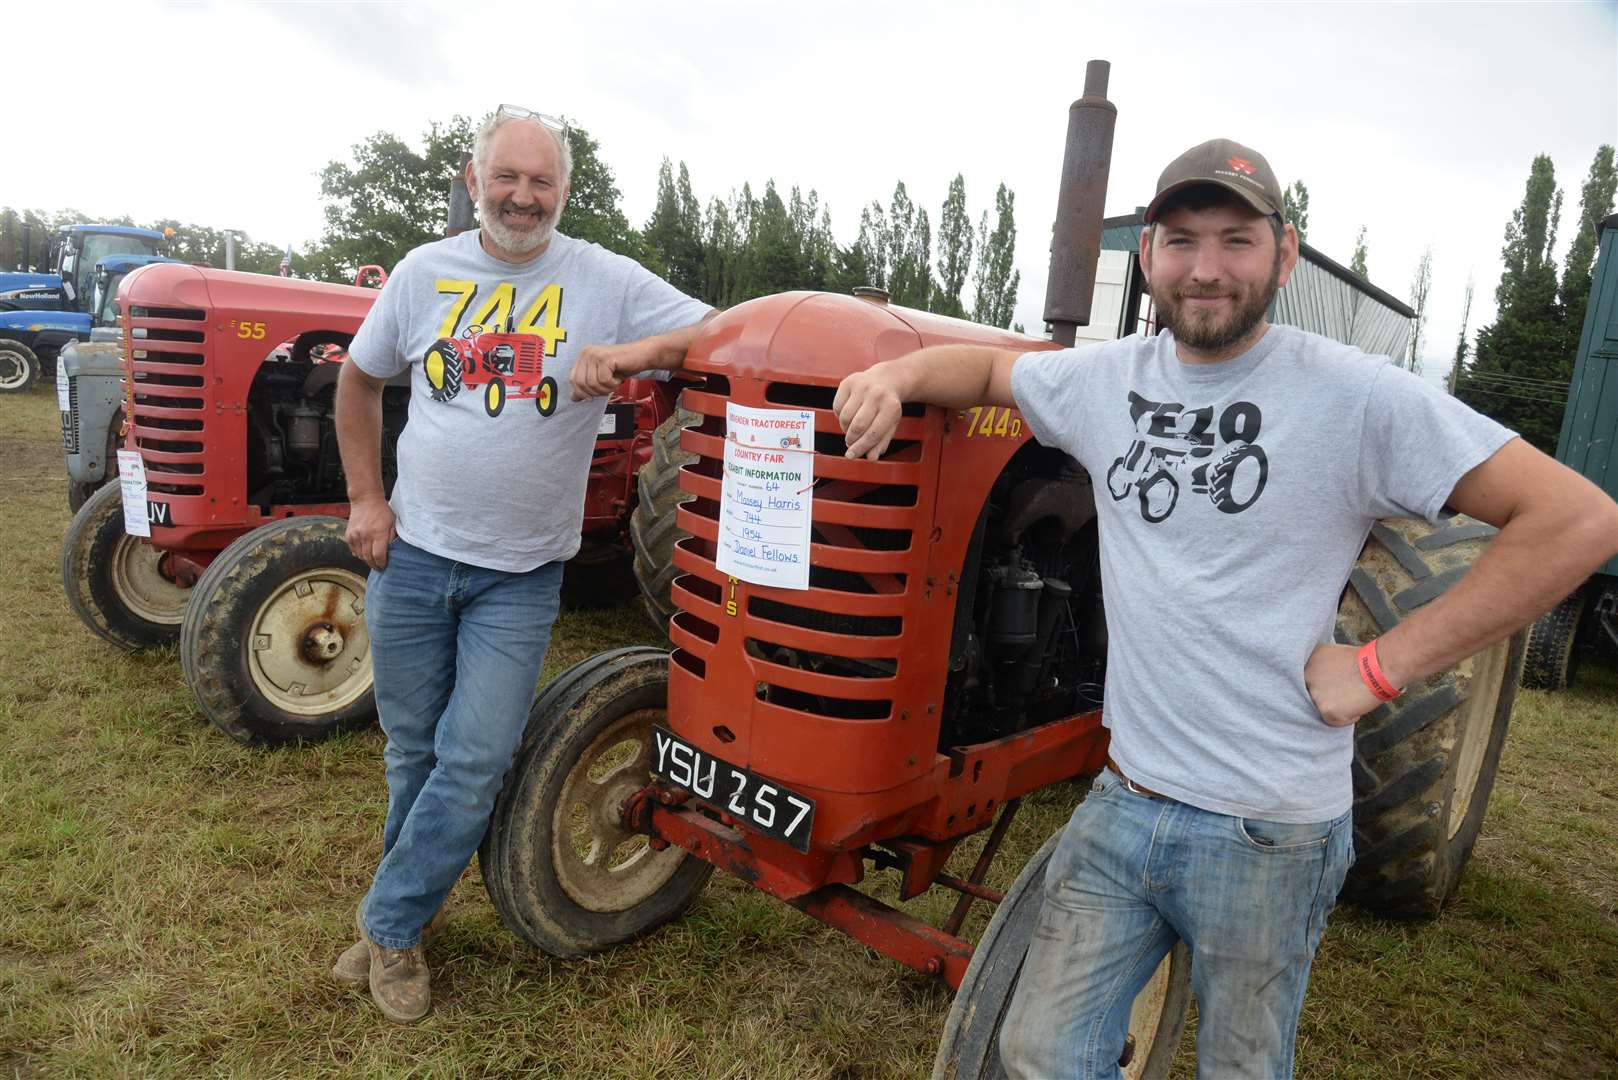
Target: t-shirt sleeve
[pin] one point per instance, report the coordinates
(653, 306)
(376, 347)
(1417, 444)
(1048, 388)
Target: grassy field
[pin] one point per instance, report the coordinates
(170, 901)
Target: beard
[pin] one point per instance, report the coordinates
(1200, 328)
(516, 240)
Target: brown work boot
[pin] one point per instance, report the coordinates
(354, 966)
(399, 982)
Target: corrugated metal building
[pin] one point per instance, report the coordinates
(1322, 296)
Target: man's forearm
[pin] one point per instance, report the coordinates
(359, 436)
(1532, 562)
(954, 376)
(666, 352)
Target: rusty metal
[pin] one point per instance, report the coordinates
(889, 931)
(460, 202)
(980, 870)
(1076, 236)
(971, 890)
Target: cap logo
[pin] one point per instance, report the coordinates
(1241, 165)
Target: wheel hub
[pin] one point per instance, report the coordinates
(322, 643)
(599, 863)
(136, 575)
(13, 370)
(308, 651)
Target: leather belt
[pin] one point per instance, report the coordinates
(1130, 784)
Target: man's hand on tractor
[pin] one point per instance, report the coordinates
(600, 368)
(370, 530)
(868, 406)
(1333, 679)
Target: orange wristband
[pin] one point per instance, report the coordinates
(1371, 672)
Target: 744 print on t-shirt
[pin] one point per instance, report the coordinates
(500, 353)
(1174, 447)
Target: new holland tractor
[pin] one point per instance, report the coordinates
(947, 659)
(229, 389)
(40, 314)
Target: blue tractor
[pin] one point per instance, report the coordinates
(42, 312)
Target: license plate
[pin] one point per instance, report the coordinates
(763, 805)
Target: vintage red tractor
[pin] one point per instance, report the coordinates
(246, 500)
(946, 660)
(506, 364)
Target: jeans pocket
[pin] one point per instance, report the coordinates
(1103, 782)
(1284, 836)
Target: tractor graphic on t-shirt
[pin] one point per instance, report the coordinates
(1173, 445)
(505, 364)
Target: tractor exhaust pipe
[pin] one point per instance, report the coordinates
(1076, 237)
(460, 202)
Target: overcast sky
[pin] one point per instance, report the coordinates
(1418, 121)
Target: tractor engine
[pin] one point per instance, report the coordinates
(1029, 641)
(292, 432)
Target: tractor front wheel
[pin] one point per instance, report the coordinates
(274, 643)
(970, 1047)
(1424, 764)
(561, 869)
(19, 367)
(114, 582)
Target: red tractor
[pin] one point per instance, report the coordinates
(246, 565)
(506, 365)
(946, 660)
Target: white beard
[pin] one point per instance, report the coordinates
(516, 241)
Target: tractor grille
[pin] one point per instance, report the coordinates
(168, 358)
(833, 650)
(70, 419)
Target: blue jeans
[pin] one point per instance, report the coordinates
(1130, 876)
(456, 652)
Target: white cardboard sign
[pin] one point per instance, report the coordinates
(132, 479)
(767, 500)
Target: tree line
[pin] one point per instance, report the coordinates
(1523, 361)
(389, 197)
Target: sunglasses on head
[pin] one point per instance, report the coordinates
(517, 112)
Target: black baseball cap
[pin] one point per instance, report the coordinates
(1226, 163)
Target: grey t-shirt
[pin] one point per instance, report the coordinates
(505, 490)
(1233, 500)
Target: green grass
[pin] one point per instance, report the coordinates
(170, 901)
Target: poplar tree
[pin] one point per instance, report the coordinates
(1421, 283)
(995, 282)
(1357, 263)
(954, 250)
(1295, 208)
(1519, 373)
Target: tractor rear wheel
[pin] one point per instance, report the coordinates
(561, 869)
(19, 367)
(1553, 657)
(1424, 764)
(274, 644)
(114, 582)
(970, 1047)
(652, 525)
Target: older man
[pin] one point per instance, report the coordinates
(1223, 816)
(467, 557)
